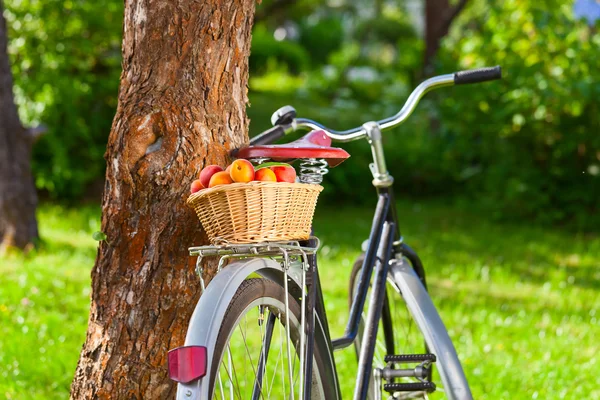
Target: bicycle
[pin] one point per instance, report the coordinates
(266, 297)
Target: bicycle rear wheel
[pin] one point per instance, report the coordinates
(257, 355)
(397, 334)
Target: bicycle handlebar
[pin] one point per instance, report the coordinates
(457, 78)
(477, 75)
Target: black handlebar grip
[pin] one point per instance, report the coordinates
(477, 75)
(269, 136)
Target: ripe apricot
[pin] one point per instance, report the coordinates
(242, 171)
(285, 173)
(220, 178)
(196, 186)
(207, 173)
(265, 175)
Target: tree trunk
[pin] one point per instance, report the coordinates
(182, 105)
(439, 15)
(18, 199)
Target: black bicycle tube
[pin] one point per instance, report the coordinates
(358, 302)
(388, 331)
(393, 213)
(264, 354)
(310, 325)
(392, 217)
(368, 344)
(269, 136)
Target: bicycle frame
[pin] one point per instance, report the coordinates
(385, 243)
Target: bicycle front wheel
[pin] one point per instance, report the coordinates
(257, 354)
(400, 333)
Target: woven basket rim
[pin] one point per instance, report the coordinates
(250, 185)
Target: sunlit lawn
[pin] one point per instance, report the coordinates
(520, 301)
(44, 302)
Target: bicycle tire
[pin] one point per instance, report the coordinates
(255, 293)
(407, 337)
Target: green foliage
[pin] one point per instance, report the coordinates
(525, 147)
(322, 38)
(66, 64)
(388, 28)
(528, 146)
(514, 297)
(265, 50)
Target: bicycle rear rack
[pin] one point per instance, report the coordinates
(283, 251)
(254, 249)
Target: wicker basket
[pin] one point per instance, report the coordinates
(256, 211)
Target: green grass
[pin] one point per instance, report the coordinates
(520, 301)
(44, 304)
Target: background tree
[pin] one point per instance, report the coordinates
(181, 105)
(439, 15)
(18, 199)
(66, 62)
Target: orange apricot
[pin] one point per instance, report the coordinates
(207, 173)
(220, 178)
(265, 175)
(242, 171)
(285, 173)
(196, 186)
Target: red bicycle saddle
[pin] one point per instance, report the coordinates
(313, 145)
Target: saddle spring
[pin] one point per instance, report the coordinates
(312, 170)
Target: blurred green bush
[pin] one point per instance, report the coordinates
(528, 146)
(525, 147)
(66, 59)
(266, 50)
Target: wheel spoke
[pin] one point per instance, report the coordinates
(232, 367)
(229, 374)
(281, 352)
(262, 363)
(272, 351)
(221, 386)
(250, 357)
(287, 331)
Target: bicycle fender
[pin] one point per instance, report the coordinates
(205, 323)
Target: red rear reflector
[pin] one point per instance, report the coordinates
(187, 363)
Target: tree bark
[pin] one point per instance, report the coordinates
(18, 198)
(439, 15)
(182, 105)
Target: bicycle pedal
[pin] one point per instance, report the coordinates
(409, 387)
(409, 358)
